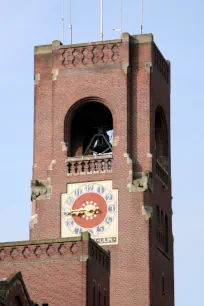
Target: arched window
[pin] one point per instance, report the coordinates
(91, 130)
(161, 138)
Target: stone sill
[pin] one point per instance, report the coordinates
(89, 157)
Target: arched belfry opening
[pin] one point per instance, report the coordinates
(161, 139)
(91, 130)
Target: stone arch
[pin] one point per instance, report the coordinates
(84, 120)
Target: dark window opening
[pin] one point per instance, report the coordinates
(17, 301)
(166, 234)
(104, 298)
(162, 230)
(99, 295)
(91, 130)
(163, 284)
(94, 293)
(161, 139)
(158, 215)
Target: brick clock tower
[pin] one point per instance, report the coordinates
(102, 159)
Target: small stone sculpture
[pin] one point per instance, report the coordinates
(37, 189)
(143, 183)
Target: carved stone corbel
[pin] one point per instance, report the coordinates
(147, 211)
(40, 190)
(143, 183)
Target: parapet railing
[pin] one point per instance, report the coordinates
(162, 173)
(80, 165)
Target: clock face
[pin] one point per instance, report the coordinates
(90, 207)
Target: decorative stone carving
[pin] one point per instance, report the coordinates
(78, 56)
(38, 251)
(90, 55)
(26, 252)
(40, 190)
(143, 183)
(68, 58)
(74, 248)
(33, 221)
(2, 254)
(97, 54)
(108, 53)
(14, 253)
(62, 249)
(50, 251)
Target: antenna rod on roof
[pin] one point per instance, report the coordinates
(70, 22)
(62, 21)
(101, 34)
(121, 18)
(141, 27)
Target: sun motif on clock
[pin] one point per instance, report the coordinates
(90, 207)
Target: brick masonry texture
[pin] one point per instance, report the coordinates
(57, 272)
(125, 77)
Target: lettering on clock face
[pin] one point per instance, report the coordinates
(90, 207)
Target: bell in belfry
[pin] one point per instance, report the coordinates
(99, 144)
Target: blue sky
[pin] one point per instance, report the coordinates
(178, 30)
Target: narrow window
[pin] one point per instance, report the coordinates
(99, 295)
(161, 138)
(166, 234)
(158, 214)
(163, 284)
(94, 293)
(158, 224)
(104, 298)
(162, 228)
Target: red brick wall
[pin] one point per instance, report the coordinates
(54, 272)
(57, 272)
(123, 82)
(98, 276)
(162, 262)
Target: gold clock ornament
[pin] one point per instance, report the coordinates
(91, 207)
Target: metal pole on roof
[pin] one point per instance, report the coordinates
(70, 22)
(141, 12)
(121, 18)
(62, 21)
(101, 33)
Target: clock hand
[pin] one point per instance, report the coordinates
(82, 211)
(77, 211)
